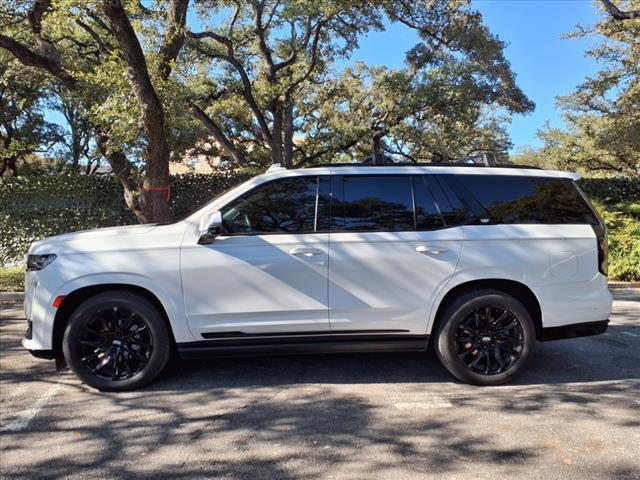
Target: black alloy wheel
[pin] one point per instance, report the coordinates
(489, 340)
(116, 341)
(485, 337)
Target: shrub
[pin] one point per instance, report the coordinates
(32, 208)
(623, 226)
(612, 190)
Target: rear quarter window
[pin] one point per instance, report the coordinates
(511, 199)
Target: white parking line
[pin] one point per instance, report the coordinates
(428, 405)
(630, 334)
(24, 418)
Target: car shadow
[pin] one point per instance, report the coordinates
(608, 357)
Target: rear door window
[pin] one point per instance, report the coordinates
(372, 203)
(453, 209)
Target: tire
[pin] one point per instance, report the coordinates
(480, 352)
(116, 341)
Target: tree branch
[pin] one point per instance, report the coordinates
(247, 90)
(618, 14)
(219, 135)
(36, 13)
(314, 156)
(28, 57)
(174, 36)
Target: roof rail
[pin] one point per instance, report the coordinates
(485, 159)
(274, 167)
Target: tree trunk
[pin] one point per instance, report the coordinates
(288, 134)
(154, 196)
(276, 135)
(377, 144)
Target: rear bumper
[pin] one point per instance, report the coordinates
(574, 330)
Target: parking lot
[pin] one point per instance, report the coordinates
(574, 414)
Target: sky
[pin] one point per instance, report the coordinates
(545, 64)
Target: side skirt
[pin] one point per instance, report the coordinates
(302, 344)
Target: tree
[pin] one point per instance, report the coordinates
(269, 86)
(87, 48)
(77, 146)
(430, 115)
(23, 128)
(602, 114)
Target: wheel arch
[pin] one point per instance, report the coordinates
(73, 300)
(516, 289)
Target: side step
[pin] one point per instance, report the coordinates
(327, 344)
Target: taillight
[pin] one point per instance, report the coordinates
(603, 265)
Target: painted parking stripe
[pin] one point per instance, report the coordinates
(24, 418)
(428, 405)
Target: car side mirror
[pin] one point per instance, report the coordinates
(211, 228)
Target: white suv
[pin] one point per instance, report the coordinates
(477, 262)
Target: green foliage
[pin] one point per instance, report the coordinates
(623, 226)
(612, 190)
(23, 128)
(12, 279)
(32, 208)
(618, 201)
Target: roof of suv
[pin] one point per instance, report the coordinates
(365, 169)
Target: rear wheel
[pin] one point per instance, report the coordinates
(116, 341)
(486, 338)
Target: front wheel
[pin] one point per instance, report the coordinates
(486, 338)
(116, 341)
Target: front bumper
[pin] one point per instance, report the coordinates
(574, 330)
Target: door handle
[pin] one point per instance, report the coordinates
(431, 250)
(305, 252)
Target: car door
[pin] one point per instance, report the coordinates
(267, 274)
(390, 253)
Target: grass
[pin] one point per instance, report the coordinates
(11, 279)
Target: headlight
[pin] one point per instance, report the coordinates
(38, 262)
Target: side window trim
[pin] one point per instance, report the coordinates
(425, 182)
(413, 201)
(315, 215)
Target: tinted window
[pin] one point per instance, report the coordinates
(428, 216)
(282, 206)
(454, 212)
(374, 203)
(519, 199)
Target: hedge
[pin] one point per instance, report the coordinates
(612, 190)
(32, 208)
(36, 207)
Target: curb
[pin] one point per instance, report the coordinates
(616, 285)
(11, 296)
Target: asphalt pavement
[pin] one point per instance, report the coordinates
(575, 414)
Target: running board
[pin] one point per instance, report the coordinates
(288, 346)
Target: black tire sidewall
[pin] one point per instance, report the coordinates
(157, 327)
(459, 309)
